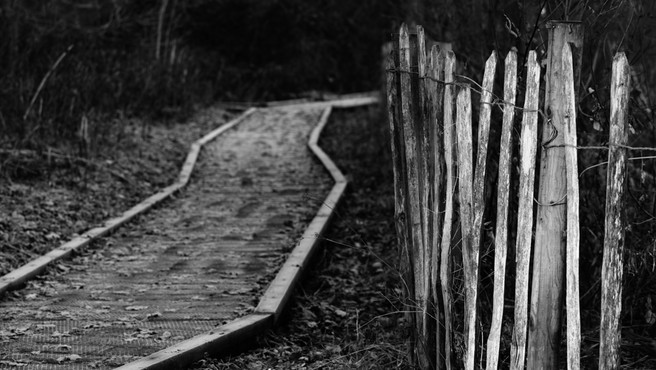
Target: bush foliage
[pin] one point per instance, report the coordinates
(153, 58)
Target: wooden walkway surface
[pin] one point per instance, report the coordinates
(192, 264)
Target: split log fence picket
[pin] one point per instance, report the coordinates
(440, 184)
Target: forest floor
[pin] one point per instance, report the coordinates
(47, 198)
(346, 314)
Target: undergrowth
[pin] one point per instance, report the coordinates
(68, 69)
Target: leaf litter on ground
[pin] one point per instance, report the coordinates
(347, 312)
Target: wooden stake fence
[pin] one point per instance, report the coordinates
(429, 133)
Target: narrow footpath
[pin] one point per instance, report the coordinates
(195, 262)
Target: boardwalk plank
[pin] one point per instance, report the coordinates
(194, 263)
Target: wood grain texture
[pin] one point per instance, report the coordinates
(528, 148)
(465, 187)
(481, 158)
(398, 165)
(477, 205)
(611, 272)
(398, 168)
(503, 194)
(572, 300)
(423, 299)
(547, 286)
(413, 200)
(450, 175)
(437, 187)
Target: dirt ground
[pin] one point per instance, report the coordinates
(45, 201)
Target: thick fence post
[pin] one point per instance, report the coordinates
(572, 298)
(611, 273)
(550, 241)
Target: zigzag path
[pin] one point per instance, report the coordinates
(191, 264)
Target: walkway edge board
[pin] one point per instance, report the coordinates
(18, 277)
(226, 337)
(277, 295)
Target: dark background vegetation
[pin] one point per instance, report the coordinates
(206, 51)
(65, 64)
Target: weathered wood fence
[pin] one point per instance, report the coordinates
(440, 203)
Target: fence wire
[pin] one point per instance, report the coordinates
(501, 104)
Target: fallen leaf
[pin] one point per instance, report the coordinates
(12, 363)
(62, 267)
(153, 315)
(135, 308)
(30, 225)
(53, 236)
(63, 347)
(71, 358)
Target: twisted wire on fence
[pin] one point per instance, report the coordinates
(501, 103)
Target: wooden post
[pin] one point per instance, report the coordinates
(413, 204)
(398, 167)
(445, 254)
(528, 147)
(503, 193)
(465, 187)
(611, 273)
(423, 153)
(436, 180)
(481, 160)
(549, 252)
(572, 255)
(472, 190)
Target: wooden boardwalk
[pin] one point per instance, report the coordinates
(192, 264)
